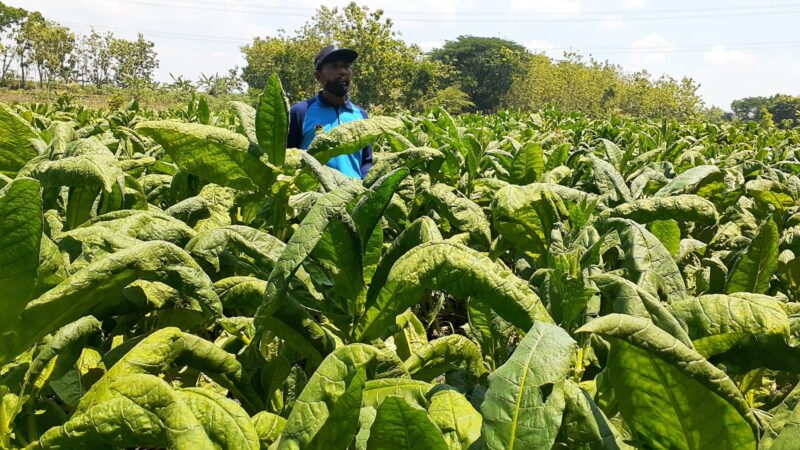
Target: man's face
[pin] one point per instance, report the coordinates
(337, 71)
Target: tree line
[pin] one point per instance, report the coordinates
(466, 74)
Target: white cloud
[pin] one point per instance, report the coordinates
(651, 50)
(540, 46)
(721, 55)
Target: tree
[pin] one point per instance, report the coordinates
(11, 20)
(780, 109)
(600, 89)
(748, 108)
(51, 49)
(388, 72)
(220, 84)
(785, 110)
(95, 63)
(291, 57)
(134, 61)
(485, 67)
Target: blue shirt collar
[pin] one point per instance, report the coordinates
(348, 105)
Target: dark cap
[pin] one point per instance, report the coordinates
(333, 53)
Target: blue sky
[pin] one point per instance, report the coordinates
(733, 49)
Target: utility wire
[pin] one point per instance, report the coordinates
(250, 7)
(675, 14)
(494, 13)
(766, 45)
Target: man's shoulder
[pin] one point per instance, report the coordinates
(358, 108)
(302, 107)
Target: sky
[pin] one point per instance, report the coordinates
(733, 49)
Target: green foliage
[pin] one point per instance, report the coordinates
(179, 279)
(484, 67)
(386, 71)
(781, 110)
(600, 89)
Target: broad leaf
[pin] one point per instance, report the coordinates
(213, 154)
(757, 263)
(351, 136)
(20, 237)
(461, 271)
(272, 121)
(16, 141)
(400, 426)
(525, 401)
(668, 394)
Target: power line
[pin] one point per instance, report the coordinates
(250, 7)
(409, 16)
(764, 45)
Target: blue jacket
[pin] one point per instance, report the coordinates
(306, 117)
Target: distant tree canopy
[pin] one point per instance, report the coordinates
(601, 89)
(780, 110)
(470, 73)
(484, 67)
(32, 47)
(388, 71)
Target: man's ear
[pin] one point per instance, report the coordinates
(318, 76)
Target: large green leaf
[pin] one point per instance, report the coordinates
(691, 181)
(209, 209)
(224, 421)
(757, 263)
(16, 141)
(717, 322)
(143, 225)
(584, 425)
(647, 261)
(165, 349)
(325, 415)
(456, 418)
(136, 411)
(247, 119)
(608, 180)
(462, 213)
(628, 298)
(525, 401)
(65, 344)
(269, 427)
(20, 236)
(443, 354)
(688, 208)
(272, 121)
(528, 164)
(525, 215)
(411, 158)
(370, 208)
(668, 394)
(213, 154)
(106, 277)
(263, 248)
(422, 230)
(350, 136)
(400, 426)
(460, 271)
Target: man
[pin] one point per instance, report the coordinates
(330, 108)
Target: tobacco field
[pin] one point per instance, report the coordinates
(520, 280)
